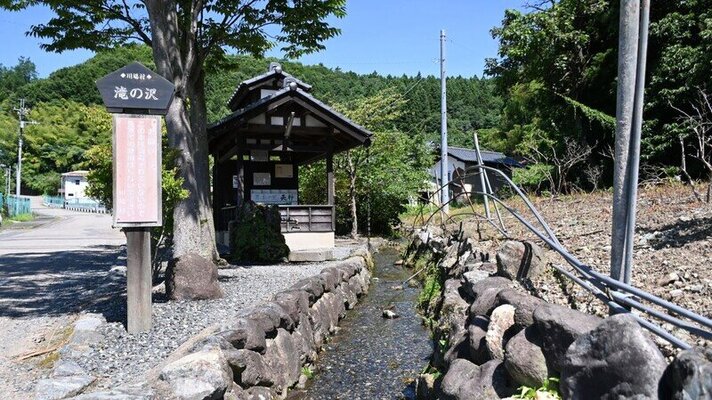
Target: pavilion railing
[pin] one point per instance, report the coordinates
(307, 218)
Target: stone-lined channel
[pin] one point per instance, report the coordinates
(373, 357)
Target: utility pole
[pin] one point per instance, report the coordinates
(22, 112)
(632, 48)
(444, 194)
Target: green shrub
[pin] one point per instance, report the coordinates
(256, 236)
(533, 177)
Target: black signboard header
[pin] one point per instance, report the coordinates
(136, 89)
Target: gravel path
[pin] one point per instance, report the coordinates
(122, 358)
(50, 269)
(65, 264)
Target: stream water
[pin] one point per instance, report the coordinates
(373, 357)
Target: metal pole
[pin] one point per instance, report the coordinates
(18, 169)
(627, 57)
(634, 153)
(482, 175)
(444, 195)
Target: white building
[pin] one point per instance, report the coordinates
(73, 185)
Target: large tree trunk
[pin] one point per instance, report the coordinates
(178, 61)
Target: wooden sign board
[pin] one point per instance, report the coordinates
(135, 88)
(137, 170)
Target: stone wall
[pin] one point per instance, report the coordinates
(261, 353)
(493, 337)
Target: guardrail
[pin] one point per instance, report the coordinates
(84, 205)
(18, 205)
(53, 201)
(619, 296)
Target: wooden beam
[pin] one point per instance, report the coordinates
(288, 131)
(330, 186)
(240, 197)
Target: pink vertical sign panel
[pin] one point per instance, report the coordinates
(137, 183)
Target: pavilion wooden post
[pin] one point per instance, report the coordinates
(330, 188)
(240, 184)
(138, 279)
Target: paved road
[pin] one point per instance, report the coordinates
(50, 270)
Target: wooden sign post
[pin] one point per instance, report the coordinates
(137, 97)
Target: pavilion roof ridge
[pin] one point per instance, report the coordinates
(275, 70)
(295, 93)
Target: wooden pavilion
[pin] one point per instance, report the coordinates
(275, 127)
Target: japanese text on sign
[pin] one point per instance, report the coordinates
(136, 183)
(120, 92)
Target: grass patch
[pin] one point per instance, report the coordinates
(550, 387)
(431, 290)
(307, 371)
(22, 217)
(48, 361)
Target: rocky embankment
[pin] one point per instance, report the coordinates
(494, 337)
(260, 354)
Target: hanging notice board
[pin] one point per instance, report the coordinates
(137, 170)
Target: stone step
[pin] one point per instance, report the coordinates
(311, 255)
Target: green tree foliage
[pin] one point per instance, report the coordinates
(70, 97)
(56, 144)
(77, 83)
(473, 102)
(557, 70)
(188, 39)
(13, 79)
(376, 181)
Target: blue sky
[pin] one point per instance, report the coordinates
(388, 36)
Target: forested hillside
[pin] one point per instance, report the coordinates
(66, 103)
(548, 97)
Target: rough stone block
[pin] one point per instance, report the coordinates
(192, 277)
(282, 357)
(62, 387)
(616, 360)
(198, 376)
(486, 289)
(520, 260)
(476, 332)
(499, 330)
(524, 359)
(268, 317)
(467, 381)
(524, 305)
(689, 376)
(313, 286)
(293, 302)
(249, 368)
(559, 326)
(244, 334)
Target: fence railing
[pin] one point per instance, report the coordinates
(18, 205)
(620, 297)
(84, 205)
(87, 205)
(53, 201)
